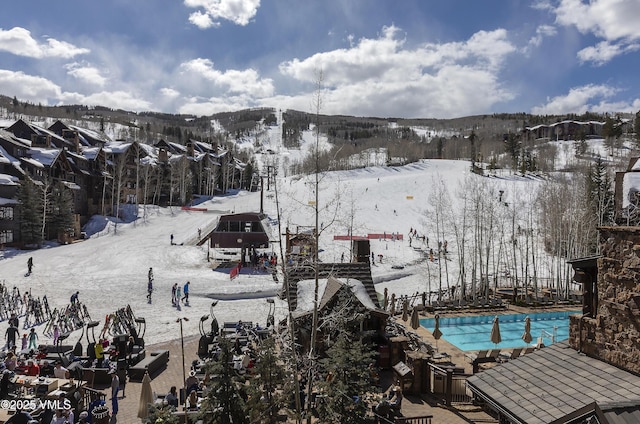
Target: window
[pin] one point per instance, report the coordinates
(6, 236)
(6, 212)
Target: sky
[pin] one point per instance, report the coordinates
(382, 58)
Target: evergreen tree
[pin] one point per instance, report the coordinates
(512, 146)
(30, 207)
(347, 362)
(223, 403)
(348, 380)
(265, 400)
(60, 218)
(600, 193)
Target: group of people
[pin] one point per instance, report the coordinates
(178, 296)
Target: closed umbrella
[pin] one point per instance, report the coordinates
(392, 308)
(405, 310)
(436, 330)
(526, 336)
(495, 331)
(385, 302)
(415, 319)
(146, 396)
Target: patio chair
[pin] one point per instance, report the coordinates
(515, 352)
(481, 354)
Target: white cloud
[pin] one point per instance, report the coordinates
(28, 87)
(113, 99)
(381, 77)
(19, 41)
(169, 92)
(232, 81)
(88, 74)
(578, 100)
(604, 51)
(542, 32)
(614, 21)
(202, 107)
(240, 12)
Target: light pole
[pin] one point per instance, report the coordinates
(184, 376)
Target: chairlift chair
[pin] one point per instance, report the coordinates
(271, 320)
(91, 351)
(62, 337)
(141, 325)
(215, 327)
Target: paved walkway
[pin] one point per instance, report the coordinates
(172, 375)
(412, 406)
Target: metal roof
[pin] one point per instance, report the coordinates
(550, 383)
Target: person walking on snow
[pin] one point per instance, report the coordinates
(185, 290)
(150, 274)
(174, 290)
(30, 264)
(149, 289)
(33, 339)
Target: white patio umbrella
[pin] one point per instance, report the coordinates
(495, 331)
(526, 336)
(146, 396)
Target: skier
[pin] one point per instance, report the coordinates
(30, 265)
(74, 297)
(185, 290)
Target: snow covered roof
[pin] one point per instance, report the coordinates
(306, 293)
(91, 152)
(6, 179)
(117, 147)
(5, 201)
(44, 156)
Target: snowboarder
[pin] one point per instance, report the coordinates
(185, 290)
(33, 339)
(30, 265)
(74, 298)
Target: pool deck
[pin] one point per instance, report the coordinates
(412, 406)
(458, 356)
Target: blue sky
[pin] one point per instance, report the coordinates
(407, 58)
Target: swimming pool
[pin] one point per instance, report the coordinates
(473, 332)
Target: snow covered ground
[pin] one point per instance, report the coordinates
(110, 267)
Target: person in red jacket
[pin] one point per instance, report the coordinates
(32, 368)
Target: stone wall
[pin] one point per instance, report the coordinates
(613, 335)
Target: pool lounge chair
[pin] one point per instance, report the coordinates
(515, 352)
(478, 355)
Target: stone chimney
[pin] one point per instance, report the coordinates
(611, 332)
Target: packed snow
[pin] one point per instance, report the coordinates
(110, 267)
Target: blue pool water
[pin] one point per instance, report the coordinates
(474, 332)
